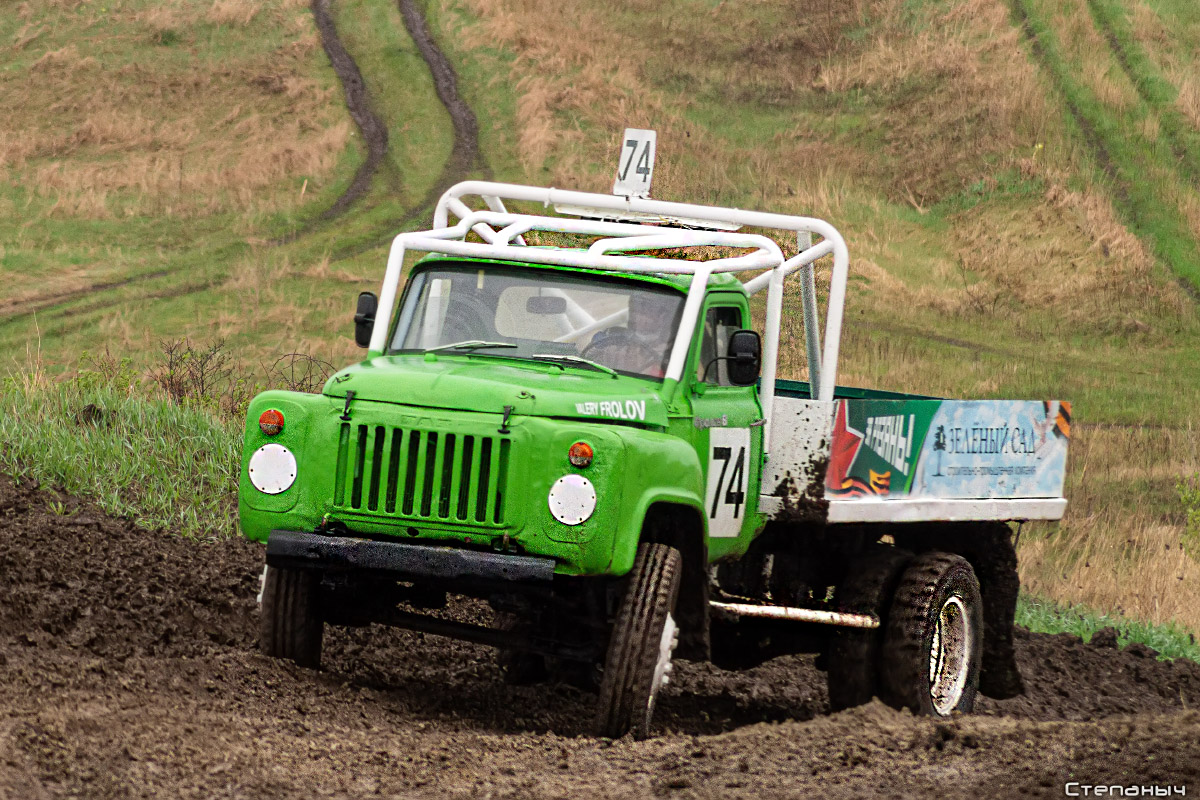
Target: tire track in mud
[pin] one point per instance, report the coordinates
(126, 654)
(358, 103)
(466, 154)
(465, 157)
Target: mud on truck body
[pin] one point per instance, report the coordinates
(518, 434)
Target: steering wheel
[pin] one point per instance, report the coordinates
(621, 350)
(467, 317)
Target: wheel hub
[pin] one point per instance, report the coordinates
(949, 656)
(662, 669)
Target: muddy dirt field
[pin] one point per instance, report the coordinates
(128, 668)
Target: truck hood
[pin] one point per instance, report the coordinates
(486, 384)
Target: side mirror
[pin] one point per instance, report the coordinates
(745, 358)
(546, 304)
(364, 318)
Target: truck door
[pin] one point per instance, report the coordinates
(727, 430)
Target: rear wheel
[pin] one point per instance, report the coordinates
(933, 642)
(853, 666)
(643, 640)
(291, 623)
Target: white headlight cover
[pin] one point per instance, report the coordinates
(572, 499)
(272, 468)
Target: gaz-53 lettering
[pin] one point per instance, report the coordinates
(592, 439)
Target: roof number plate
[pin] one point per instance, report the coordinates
(635, 163)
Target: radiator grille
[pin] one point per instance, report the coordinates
(422, 474)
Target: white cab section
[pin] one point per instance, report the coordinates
(799, 444)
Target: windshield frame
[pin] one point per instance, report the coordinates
(410, 309)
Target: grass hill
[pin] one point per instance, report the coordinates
(1016, 180)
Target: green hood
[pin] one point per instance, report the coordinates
(487, 384)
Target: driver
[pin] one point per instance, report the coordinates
(646, 344)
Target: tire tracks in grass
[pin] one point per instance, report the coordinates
(465, 157)
(1151, 87)
(33, 305)
(1165, 234)
(1045, 60)
(370, 125)
(358, 102)
(75, 325)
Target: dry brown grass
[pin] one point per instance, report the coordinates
(164, 17)
(969, 94)
(1109, 83)
(578, 73)
(1148, 29)
(1188, 101)
(582, 76)
(1071, 254)
(233, 12)
(1110, 552)
(168, 135)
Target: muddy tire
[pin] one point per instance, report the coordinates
(933, 641)
(853, 666)
(519, 667)
(291, 621)
(643, 640)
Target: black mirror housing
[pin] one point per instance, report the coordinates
(364, 318)
(744, 359)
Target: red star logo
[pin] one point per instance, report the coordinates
(846, 442)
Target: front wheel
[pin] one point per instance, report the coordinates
(932, 645)
(291, 624)
(643, 640)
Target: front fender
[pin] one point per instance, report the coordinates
(298, 410)
(663, 469)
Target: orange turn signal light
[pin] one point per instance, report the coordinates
(580, 454)
(271, 422)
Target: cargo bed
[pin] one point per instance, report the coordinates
(875, 456)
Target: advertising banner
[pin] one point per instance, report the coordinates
(948, 449)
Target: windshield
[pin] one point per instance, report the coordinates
(623, 325)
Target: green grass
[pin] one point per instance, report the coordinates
(1042, 616)
(1144, 174)
(163, 466)
(1159, 93)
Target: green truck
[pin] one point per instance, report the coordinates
(591, 438)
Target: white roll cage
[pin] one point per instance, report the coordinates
(502, 232)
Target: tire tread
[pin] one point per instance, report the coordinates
(291, 625)
(633, 650)
(854, 653)
(906, 659)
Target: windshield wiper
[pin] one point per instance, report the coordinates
(576, 360)
(470, 344)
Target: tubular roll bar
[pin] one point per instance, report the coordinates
(502, 232)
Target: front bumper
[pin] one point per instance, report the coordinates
(312, 551)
